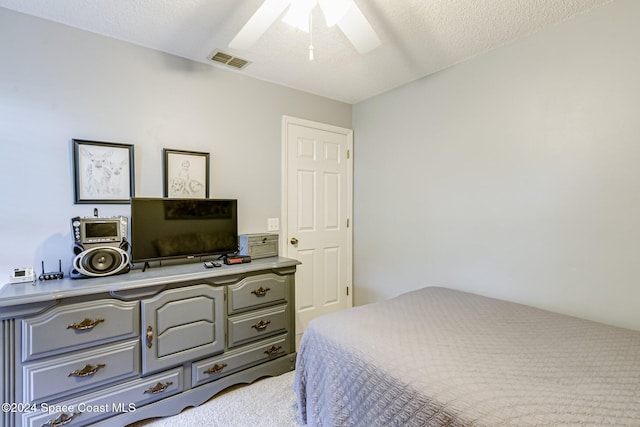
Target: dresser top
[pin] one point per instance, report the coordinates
(14, 294)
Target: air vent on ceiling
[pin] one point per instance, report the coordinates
(229, 60)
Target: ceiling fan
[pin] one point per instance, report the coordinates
(344, 13)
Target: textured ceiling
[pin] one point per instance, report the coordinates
(419, 37)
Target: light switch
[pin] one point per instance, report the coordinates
(273, 224)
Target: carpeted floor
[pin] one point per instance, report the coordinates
(241, 406)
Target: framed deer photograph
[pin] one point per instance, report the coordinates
(103, 172)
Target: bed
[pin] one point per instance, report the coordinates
(440, 357)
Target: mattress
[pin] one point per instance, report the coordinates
(440, 357)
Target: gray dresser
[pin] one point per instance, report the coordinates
(111, 351)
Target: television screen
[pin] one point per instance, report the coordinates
(182, 228)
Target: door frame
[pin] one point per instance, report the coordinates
(284, 227)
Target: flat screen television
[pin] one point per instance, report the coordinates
(163, 229)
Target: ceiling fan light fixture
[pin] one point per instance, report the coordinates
(344, 13)
(298, 14)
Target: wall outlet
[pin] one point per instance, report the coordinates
(273, 224)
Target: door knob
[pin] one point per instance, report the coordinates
(294, 241)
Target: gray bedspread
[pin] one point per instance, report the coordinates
(439, 357)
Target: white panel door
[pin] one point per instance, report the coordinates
(318, 205)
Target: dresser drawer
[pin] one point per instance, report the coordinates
(59, 376)
(256, 291)
(75, 326)
(244, 328)
(90, 408)
(232, 361)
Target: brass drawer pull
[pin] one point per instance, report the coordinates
(87, 371)
(61, 420)
(273, 350)
(260, 292)
(261, 325)
(158, 388)
(215, 369)
(149, 337)
(85, 325)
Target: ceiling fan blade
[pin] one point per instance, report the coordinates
(259, 23)
(334, 10)
(355, 26)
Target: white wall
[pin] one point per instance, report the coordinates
(515, 174)
(59, 83)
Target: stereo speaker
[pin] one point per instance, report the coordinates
(100, 261)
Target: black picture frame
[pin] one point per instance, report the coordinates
(103, 172)
(186, 174)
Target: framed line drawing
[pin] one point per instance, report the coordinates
(186, 174)
(103, 172)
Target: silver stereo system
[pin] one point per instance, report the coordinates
(100, 247)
